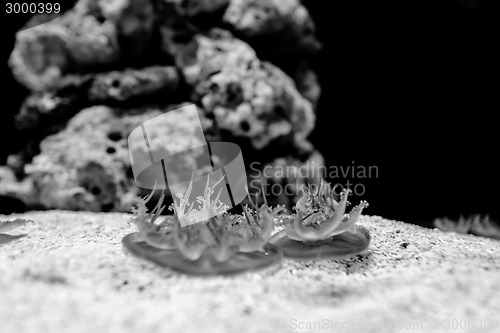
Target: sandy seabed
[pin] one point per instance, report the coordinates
(71, 274)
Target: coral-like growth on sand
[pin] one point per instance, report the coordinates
(159, 235)
(13, 224)
(222, 236)
(319, 229)
(320, 217)
(206, 206)
(475, 224)
(9, 225)
(219, 237)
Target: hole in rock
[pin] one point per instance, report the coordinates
(107, 207)
(115, 136)
(95, 190)
(181, 38)
(245, 126)
(115, 83)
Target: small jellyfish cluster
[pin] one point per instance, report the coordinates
(258, 237)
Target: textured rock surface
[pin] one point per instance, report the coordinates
(207, 54)
(260, 103)
(134, 21)
(71, 274)
(198, 7)
(72, 43)
(21, 190)
(63, 100)
(93, 36)
(139, 55)
(74, 92)
(286, 21)
(40, 57)
(307, 83)
(86, 166)
(263, 17)
(248, 97)
(123, 85)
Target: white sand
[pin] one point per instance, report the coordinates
(70, 274)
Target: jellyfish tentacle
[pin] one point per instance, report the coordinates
(303, 203)
(352, 219)
(192, 250)
(329, 226)
(302, 231)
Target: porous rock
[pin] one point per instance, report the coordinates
(96, 35)
(192, 8)
(87, 165)
(123, 85)
(12, 187)
(285, 20)
(75, 92)
(44, 54)
(247, 97)
(134, 21)
(307, 83)
(119, 53)
(204, 55)
(40, 57)
(51, 106)
(260, 103)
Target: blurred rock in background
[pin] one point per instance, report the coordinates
(103, 68)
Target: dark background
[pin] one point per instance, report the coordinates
(409, 87)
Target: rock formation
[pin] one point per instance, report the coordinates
(104, 67)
